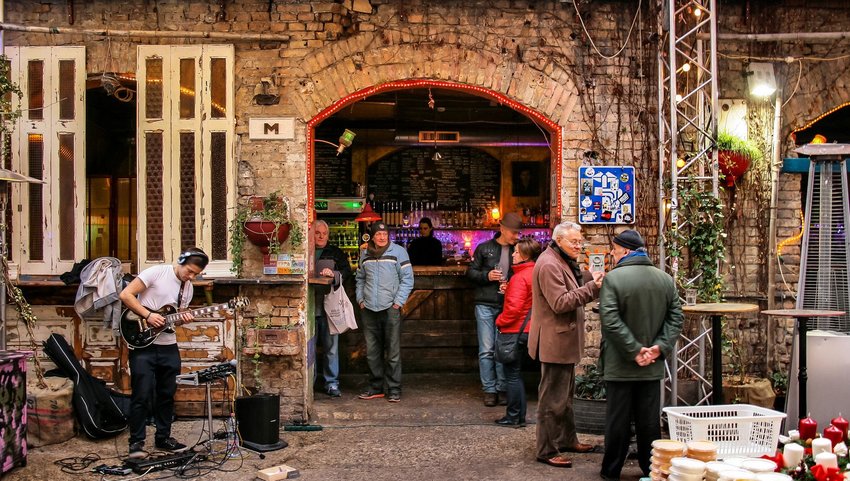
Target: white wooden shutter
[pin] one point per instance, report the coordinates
(186, 170)
(48, 222)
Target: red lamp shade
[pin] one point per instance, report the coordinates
(367, 215)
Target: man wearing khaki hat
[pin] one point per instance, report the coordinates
(490, 266)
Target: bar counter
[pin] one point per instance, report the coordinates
(438, 332)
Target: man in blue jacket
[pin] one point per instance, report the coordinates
(641, 320)
(384, 280)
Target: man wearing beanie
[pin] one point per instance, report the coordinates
(384, 280)
(641, 320)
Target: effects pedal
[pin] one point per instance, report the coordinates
(116, 470)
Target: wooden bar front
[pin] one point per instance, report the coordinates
(438, 331)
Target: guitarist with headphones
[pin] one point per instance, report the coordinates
(154, 369)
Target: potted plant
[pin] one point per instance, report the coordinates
(735, 155)
(589, 402)
(739, 387)
(265, 221)
(779, 379)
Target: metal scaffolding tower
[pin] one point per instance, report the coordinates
(687, 154)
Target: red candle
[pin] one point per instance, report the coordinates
(834, 434)
(808, 428)
(841, 424)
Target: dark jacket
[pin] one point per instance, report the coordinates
(639, 307)
(557, 315)
(425, 251)
(341, 265)
(340, 259)
(517, 300)
(485, 258)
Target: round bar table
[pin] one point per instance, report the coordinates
(716, 310)
(802, 316)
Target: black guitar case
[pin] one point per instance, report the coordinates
(97, 412)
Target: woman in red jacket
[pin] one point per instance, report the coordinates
(517, 306)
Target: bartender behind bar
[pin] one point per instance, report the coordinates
(425, 250)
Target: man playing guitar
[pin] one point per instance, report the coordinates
(154, 369)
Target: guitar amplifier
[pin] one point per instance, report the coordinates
(258, 419)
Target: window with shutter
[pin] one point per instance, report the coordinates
(48, 223)
(186, 170)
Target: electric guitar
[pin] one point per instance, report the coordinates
(138, 334)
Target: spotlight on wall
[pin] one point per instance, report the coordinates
(761, 80)
(345, 140)
(437, 156)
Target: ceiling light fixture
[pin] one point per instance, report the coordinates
(760, 79)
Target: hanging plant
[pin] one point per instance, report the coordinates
(735, 156)
(265, 222)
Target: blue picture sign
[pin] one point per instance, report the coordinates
(606, 194)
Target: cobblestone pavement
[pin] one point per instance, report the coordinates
(439, 431)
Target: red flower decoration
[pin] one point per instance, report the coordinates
(780, 462)
(826, 474)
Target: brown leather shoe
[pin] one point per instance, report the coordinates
(558, 461)
(490, 399)
(580, 448)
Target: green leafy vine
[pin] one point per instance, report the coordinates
(699, 240)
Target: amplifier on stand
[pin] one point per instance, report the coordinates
(258, 421)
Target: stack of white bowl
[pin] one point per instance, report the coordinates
(686, 469)
(773, 477)
(713, 469)
(759, 465)
(663, 451)
(737, 475)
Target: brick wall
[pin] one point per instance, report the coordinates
(535, 52)
(822, 85)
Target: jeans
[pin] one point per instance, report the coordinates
(153, 377)
(383, 349)
(515, 387)
(638, 401)
(330, 353)
(492, 373)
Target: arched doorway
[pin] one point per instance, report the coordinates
(549, 129)
(446, 133)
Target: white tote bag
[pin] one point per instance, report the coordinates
(338, 309)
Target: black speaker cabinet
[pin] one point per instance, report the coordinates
(258, 420)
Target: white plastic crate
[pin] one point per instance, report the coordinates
(736, 429)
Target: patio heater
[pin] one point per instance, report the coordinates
(823, 282)
(6, 176)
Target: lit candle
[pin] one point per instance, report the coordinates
(827, 460)
(834, 434)
(841, 424)
(792, 455)
(808, 428)
(821, 445)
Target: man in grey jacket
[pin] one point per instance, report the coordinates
(384, 280)
(641, 320)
